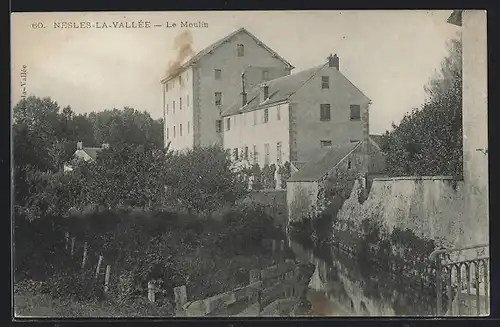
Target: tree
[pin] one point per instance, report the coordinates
(127, 126)
(428, 141)
(203, 180)
(34, 129)
(126, 175)
(285, 173)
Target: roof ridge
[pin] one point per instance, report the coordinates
(307, 80)
(319, 67)
(218, 43)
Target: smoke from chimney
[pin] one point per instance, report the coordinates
(182, 44)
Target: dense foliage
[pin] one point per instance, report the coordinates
(428, 141)
(153, 214)
(45, 137)
(208, 255)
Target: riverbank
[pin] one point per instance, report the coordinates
(345, 285)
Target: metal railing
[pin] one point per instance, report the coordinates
(462, 280)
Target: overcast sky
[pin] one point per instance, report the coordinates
(389, 55)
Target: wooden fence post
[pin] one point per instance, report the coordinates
(98, 267)
(151, 291)
(106, 279)
(66, 239)
(255, 276)
(180, 294)
(84, 254)
(72, 245)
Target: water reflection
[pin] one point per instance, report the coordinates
(343, 286)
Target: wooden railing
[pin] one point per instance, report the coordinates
(462, 280)
(281, 281)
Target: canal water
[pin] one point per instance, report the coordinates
(343, 286)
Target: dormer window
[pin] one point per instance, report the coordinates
(266, 92)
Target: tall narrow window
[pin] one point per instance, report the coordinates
(173, 107)
(218, 98)
(325, 112)
(245, 153)
(278, 112)
(180, 130)
(266, 152)
(278, 153)
(180, 103)
(218, 74)
(228, 124)
(355, 112)
(266, 115)
(255, 154)
(174, 131)
(266, 92)
(235, 153)
(325, 82)
(349, 163)
(189, 127)
(218, 125)
(241, 50)
(180, 80)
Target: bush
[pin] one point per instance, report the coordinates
(77, 286)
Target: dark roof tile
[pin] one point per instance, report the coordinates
(314, 170)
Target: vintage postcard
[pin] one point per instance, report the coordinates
(242, 164)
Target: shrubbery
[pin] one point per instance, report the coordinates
(428, 141)
(170, 248)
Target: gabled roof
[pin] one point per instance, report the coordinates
(217, 44)
(280, 90)
(92, 152)
(314, 170)
(455, 18)
(298, 164)
(377, 139)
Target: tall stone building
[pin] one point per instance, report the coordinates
(196, 93)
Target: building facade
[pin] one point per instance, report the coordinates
(196, 93)
(475, 124)
(296, 117)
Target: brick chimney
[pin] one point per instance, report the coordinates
(333, 61)
(79, 145)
